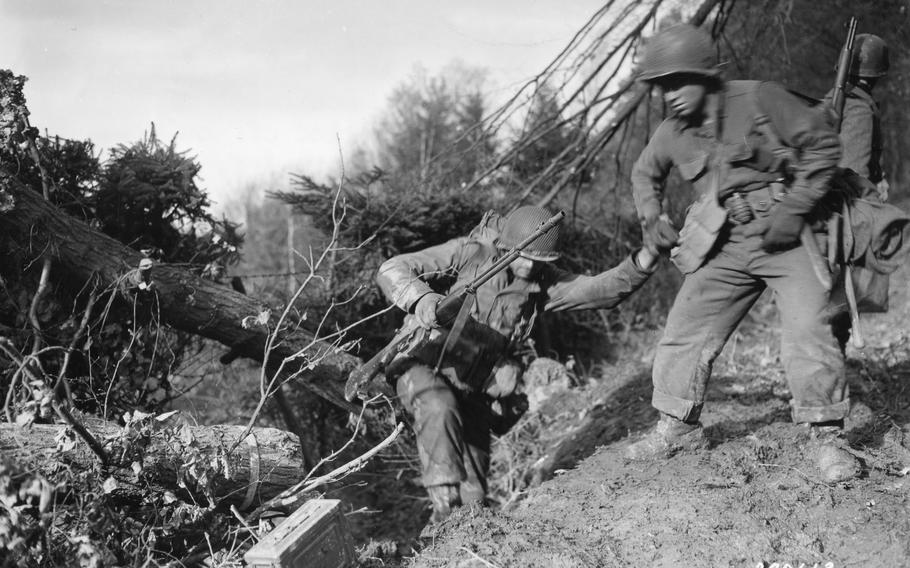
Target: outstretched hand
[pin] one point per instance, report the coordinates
(647, 258)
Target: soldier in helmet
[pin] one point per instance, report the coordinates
(458, 399)
(742, 235)
(861, 132)
(861, 141)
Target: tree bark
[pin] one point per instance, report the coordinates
(185, 301)
(181, 459)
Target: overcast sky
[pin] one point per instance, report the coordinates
(259, 88)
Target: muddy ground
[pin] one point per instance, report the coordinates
(752, 498)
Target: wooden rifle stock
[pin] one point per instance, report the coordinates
(843, 73)
(446, 311)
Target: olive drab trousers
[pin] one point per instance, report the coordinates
(715, 298)
(453, 431)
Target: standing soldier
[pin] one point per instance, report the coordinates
(458, 398)
(861, 141)
(745, 232)
(861, 131)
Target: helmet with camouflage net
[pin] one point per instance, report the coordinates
(520, 224)
(679, 49)
(870, 56)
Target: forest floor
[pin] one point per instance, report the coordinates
(752, 498)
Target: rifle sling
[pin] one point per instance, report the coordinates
(464, 312)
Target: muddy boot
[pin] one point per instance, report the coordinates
(667, 437)
(830, 451)
(444, 498)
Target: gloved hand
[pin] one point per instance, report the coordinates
(425, 310)
(658, 233)
(883, 187)
(783, 231)
(506, 412)
(646, 258)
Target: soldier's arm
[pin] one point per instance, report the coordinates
(650, 172)
(405, 278)
(807, 130)
(856, 136)
(567, 291)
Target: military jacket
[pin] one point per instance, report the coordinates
(861, 134)
(738, 152)
(505, 307)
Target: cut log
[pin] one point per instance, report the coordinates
(184, 300)
(178, 459)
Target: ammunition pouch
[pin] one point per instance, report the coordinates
(469, 360)
(746, 206)
(704, 220)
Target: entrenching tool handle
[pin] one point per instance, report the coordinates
(819, 263)
(856, 336)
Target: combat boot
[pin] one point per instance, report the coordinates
(829, 449)
(443, 498)
(667, 437)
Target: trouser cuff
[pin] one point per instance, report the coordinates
(837, 411)
(679, 408)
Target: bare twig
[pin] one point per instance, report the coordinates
(33, 309)
(122, 358)
(80, 332)
(331, 457)
(243, 522)
(83, 433)
(293, 494)
(268, 385)
(475, 555)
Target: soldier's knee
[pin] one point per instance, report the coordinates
(416, 382)
(436, 403)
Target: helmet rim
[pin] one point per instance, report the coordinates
(520, 224)
(653, 76)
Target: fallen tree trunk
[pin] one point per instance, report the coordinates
(184, 300)
(181, 459)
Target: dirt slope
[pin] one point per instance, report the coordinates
(751, 499)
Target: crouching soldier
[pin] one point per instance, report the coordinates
(460, 395)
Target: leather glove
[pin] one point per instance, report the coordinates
(783, 231)
(883, 187)
(658, 234)
(425, 310)
(506, 412)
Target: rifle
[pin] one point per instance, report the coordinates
(843, 72)
(838, 100)
(408, 338)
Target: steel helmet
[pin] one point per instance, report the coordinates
(519, 225)
(870, 56)
(682, 48)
